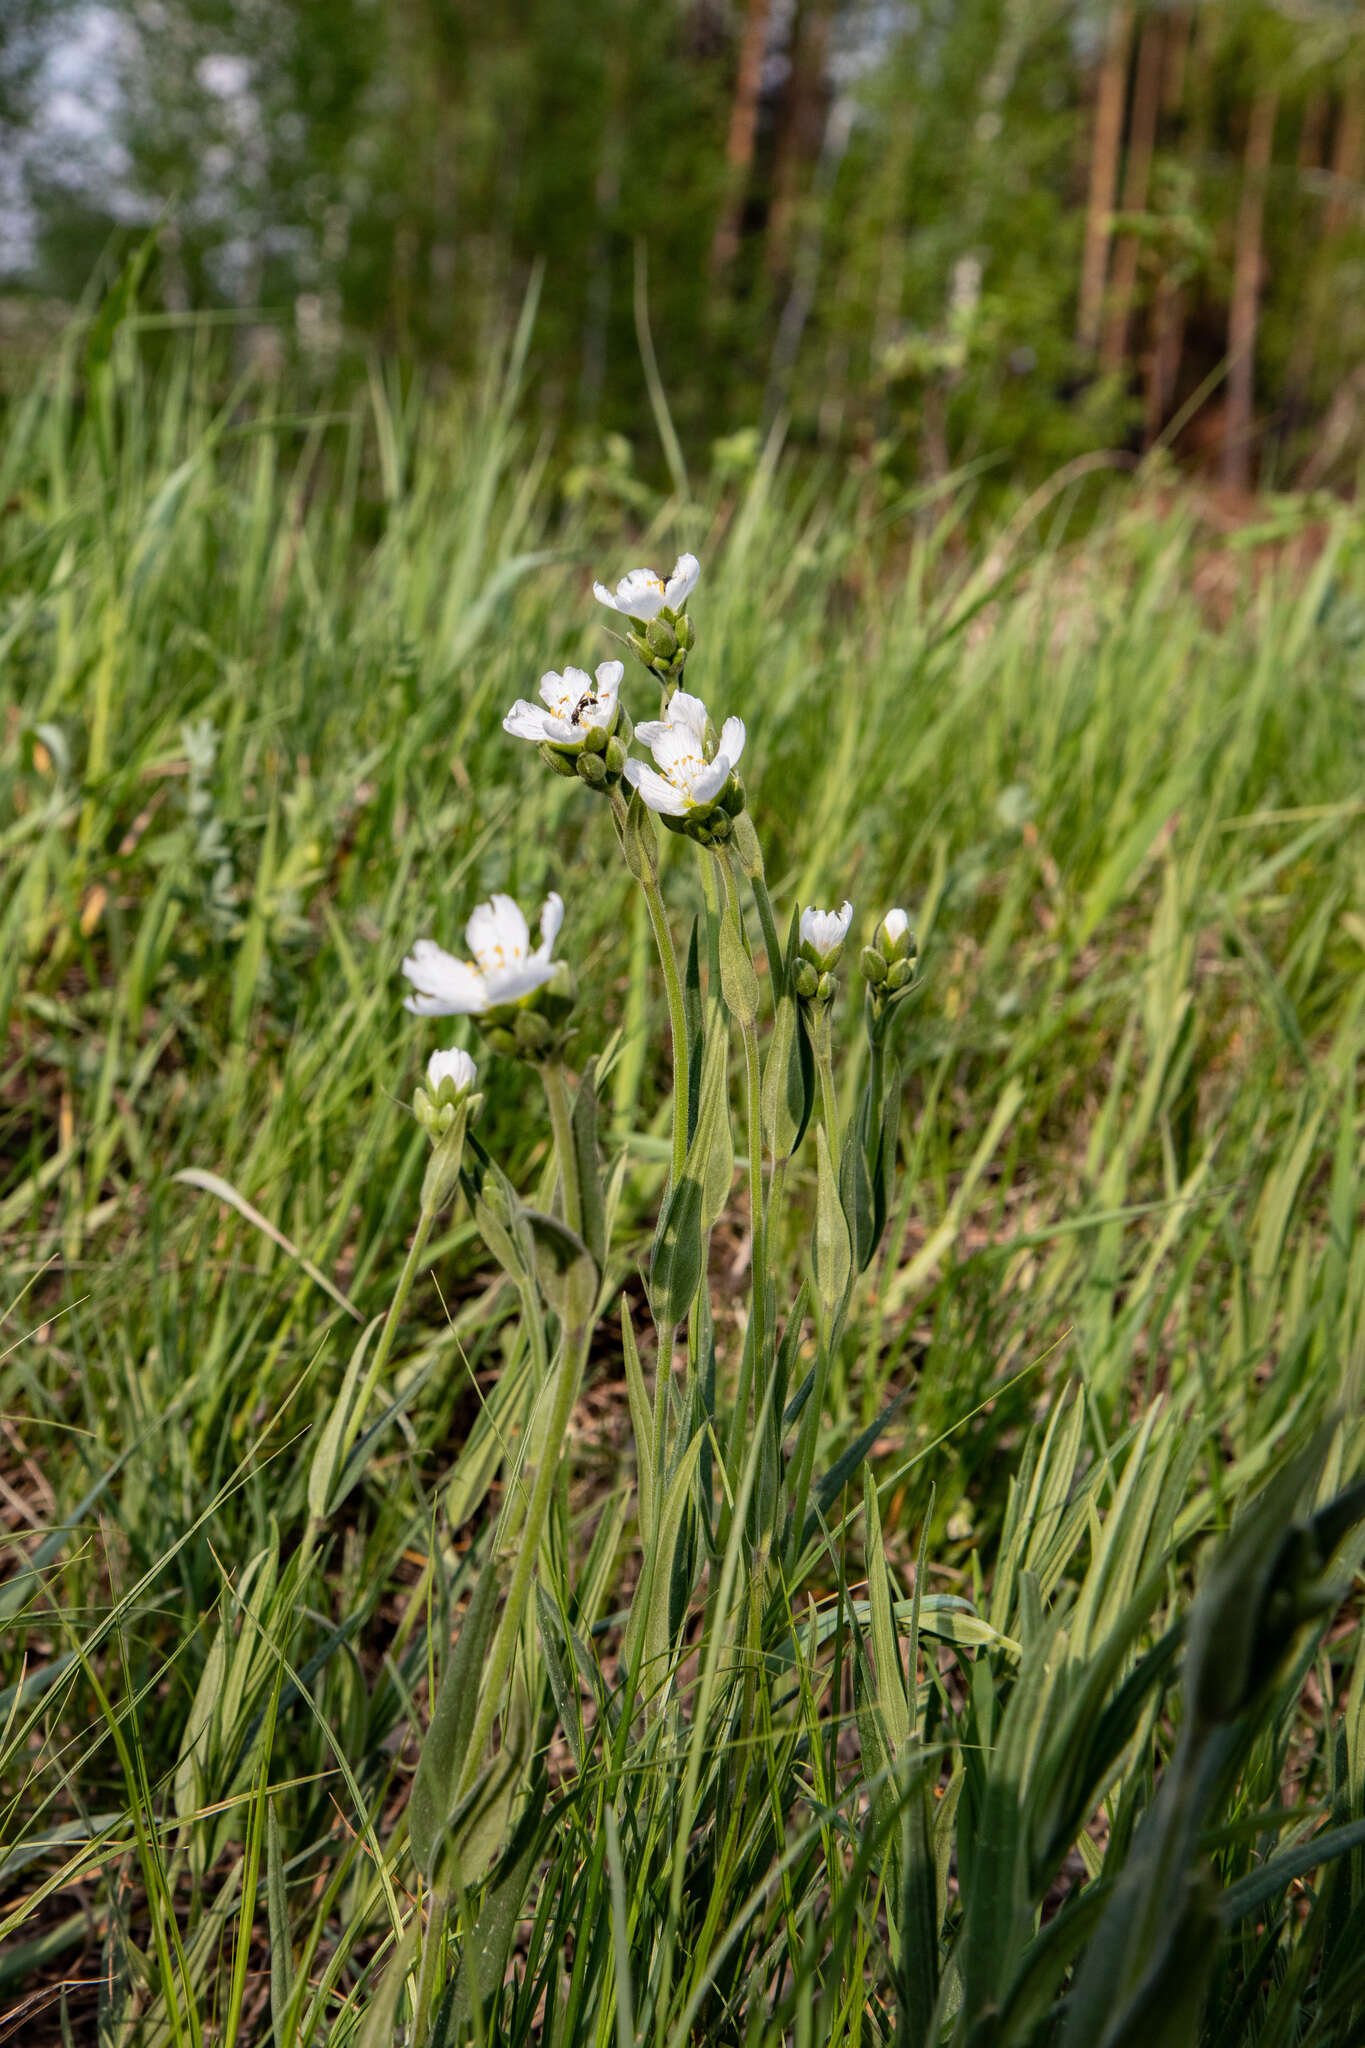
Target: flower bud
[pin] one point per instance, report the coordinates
(592, 769)
(531, 1032)
(822, 934)
(662, 640)
(893, 937)
(807, 980)
(873, 966)
(555, 757)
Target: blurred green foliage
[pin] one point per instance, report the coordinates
(873, 218)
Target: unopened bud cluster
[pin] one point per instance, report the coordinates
(598, 759)
(663, 646)
(822, 935)
(890, 961)
(448, 1095)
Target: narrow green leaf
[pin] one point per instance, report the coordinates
(444, 1746)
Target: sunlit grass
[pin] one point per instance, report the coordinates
(256, 665)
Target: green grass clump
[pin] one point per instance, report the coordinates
(1048, 1729)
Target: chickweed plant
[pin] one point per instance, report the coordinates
(834, 1520)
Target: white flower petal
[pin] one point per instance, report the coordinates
(823, 930)
(551, 918)
(605, 596)
(610, 675)
(686, 710)
(509, 984)
(497, 934)
(896, 924)
(454, 1065)
(651, 729)
(732, 738)
(640, 594)
(712, 780)
(682, 582)
(562, 692)
(562, 731)
(445, 986)
(661, 796)
(527, 721)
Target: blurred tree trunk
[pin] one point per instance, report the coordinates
(1104, 166)
(1141, 142)
(1348, 160)
(607, 202)
(1177, 52)
(739, 144)
(1347, 163)
(1246, 291)
(798, 142)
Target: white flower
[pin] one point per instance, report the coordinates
(690, 780)
(824, 931)
(576, 703)
(455, 1066)
(643, 595)
(503, 970)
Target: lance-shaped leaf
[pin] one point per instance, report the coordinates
(738, 981)
(585, 1120)
(565, 1269)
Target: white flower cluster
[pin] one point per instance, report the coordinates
(518, 993)
(583, 729)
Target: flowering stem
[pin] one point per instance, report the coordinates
(758, 1261)
(557, 1096)
(677, 1016)
(770, 938)
(824, 1066)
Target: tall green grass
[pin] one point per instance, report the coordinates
(1014, 1758)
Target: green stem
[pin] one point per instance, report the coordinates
(572, 1357)
(677, 1015)
(557, 1096)
(426, 1218)
(824, 1066)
